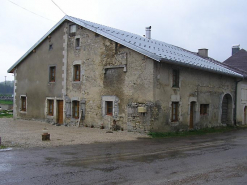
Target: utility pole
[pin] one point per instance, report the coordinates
(5, 85)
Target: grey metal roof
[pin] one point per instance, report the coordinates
(157, 50)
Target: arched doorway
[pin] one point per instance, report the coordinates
(226, 114)
(192, 114)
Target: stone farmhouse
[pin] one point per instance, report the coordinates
(85, 73)
(238, 63)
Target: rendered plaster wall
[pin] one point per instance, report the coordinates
(32, 77)
(196, 86)
(241, 102)
(107, 70)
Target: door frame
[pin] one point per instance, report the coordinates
(230, 108)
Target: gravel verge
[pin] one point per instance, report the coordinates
(27, 134)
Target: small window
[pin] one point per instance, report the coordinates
(109, 108)
(75, 109)
(204, 109)
(77, 42)
(23, 103)
(72, 28)
(77, 72)
(174, 111)
(50, 107)
(175, 78)
(50, 47)
(52, 75)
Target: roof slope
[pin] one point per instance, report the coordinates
(238, 61)
(157, 50)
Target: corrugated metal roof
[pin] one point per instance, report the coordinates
(157, 50)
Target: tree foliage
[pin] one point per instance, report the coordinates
(7, 88)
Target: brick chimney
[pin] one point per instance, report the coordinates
(203, 52)
(235, 49)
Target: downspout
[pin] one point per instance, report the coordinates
(236, 91)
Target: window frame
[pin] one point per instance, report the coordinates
(75, 109)
(50, 111)
(23, 107)
(52, 69)
(204, 108)
(76, 68)
(175, 112)
(175, 78)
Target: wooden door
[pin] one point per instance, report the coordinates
(224, 110)
(192, 107)
(60, 111)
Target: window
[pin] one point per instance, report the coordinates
(77, 43)
(52, 75)
(72, 30)
(50, 47)
(75, 109)
(50, 107)
(174, 111)
(175, 78)
(204, 109)
(23, 103)
(77, 72)
(109, 108)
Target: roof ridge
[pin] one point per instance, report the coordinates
(152, 48)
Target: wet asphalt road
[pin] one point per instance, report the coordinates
(209, 159)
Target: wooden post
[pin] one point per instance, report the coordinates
(45, 137)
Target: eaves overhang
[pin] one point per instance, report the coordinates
(200, 67)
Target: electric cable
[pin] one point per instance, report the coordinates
(31, 11)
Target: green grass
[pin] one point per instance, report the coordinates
(3, 147)
(6, 114)
(6, 102)
(192, 132)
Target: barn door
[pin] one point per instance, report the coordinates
(60, 111)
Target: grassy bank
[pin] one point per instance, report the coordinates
(6, 114)
(6, 102)
(193, 132)
(3, 147)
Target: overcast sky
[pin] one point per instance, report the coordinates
(190, 24)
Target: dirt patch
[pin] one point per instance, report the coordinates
(26, 134)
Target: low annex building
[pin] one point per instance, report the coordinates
(87, 73)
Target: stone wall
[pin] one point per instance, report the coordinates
(32, 78)
(107, 69)
(196, 86)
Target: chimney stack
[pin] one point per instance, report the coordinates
(203, 52)
(235, 49)
(148, 32)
